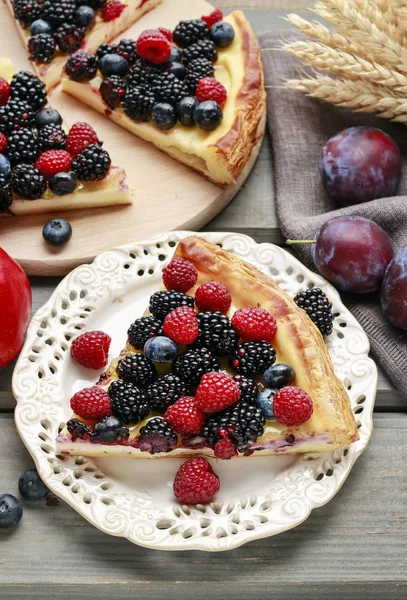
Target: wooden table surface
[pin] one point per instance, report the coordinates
(355, 546)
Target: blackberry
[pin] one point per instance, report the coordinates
(128, 402)
(193, 364)
(26, 11)
(164, 302)
(142, 330)
(111, 429)
(216, 333)
(198, 69)
(201, 49)
(16, 114)
(92, 164)
(57, 12)
(165, 391)
(248, 389)
(113, 89)
(127, 49)
(51, 137)
(188, 32)
(27, 87)
(6, 197)
(105, 49)
(69, 37)
(42, 48)
(138, 103)
(95, 4)
(81, 66)
(157, 436)
(28, 182)
(142, 74)
(168, 88)
(253, 358)
(318, 308)
(136, 368)
(22, 147)
(78, 430)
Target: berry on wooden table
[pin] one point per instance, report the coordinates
(195, 482)
(216, 391)
(181, 325)
(57, 232)
(254, 324)
(91, 404)
(180, 275)
(31, 486)
(292, 406)
(11, 511)
(185, 417)
(91, 349)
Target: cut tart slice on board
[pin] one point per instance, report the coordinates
(44, 166)
(137, 391)
(65, 26)
(155, 101)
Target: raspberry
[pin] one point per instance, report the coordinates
(181, 325)
(254, 324)
(292, 406)
(195, 482)
(180, 275)
(210, 88)
(91, 349)
(166, 33)
(4, 91)
(112, 10)
(216, 391)
(153, 46)
(52, 162)
(185, 417)
(215, 16)
(213, 297)
(224, 449)
(92, 404)
(80, 136)
(3, 143)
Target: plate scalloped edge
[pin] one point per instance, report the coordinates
(288, 498)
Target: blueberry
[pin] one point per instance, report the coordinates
(57, 232)
(160, 349)
(85, 16)
(111, 429)
(163, 116)
(279, 375)
(176, 55)
(31, 486)
(40, 26)
(265, 402)
(47, 116)
(185, 110)
(11, 511)
(222, 34)
(208, 115)
(177, 69)
(5, 168)
(113, 64)
(63, 183)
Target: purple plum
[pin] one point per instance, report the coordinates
(352, 253)
(360, 164)
(394, 290)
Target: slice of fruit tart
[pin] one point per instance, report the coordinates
(224, 363)
(44, 166)
(53, 29)
(196, 93)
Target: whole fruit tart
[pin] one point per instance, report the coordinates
(223, 363)
(196, 93)
(53, 29)
(44, 165)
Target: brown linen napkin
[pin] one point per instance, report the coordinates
(299, 128)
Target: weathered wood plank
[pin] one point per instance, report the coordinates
(351, 545)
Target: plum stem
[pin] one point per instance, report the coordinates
(294, 242)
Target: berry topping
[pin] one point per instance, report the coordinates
(164, 302)
(91, 403)
(5, 167)
(6, 197)
(195, 482)
(213, 296)
(177, 69)
(91, 349)
(185, 417)
(22, 147)
(3, 143)
(51, 137)
(136, 368)
(40, 26)
(142, 330)
(208, 115)
(265, 402)
(279, 376)
(180, 275)
(112, 10)
(85, 16)
(111, 429)
(57, 232)
(157, 436)
(216, 391)
(42, 48)
(31, 486)
(78, 430)
(128, 402)
(185, 110)
(163, 116)
(216, 333)
(47, 116)
(4, 91)
(188, 32)
(166, 33)
(164, 392)
(197, 69)
(292, 406)
(81, 66)
(201, 49)
(69, 38)
(52, 162)
(194, 363)
(222, 34)
(153, 46)
(181, 325)
(253, 358)
(317, 306)
(92, 164)
(28, 182)
(225, 448)
(254, 324)
(57, 12)
(16, 114)
(215, 16)
(26, 86)
(161, 349)
(62, 184)
(11, 511)
(26, 11)
(168, 88)
(80, 136)
(210, 88)
(113, 90)
(138, 103)
(127, 49)
(113, 64)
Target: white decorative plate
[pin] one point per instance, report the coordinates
(133, 498)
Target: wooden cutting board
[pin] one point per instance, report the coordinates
(167, 195)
